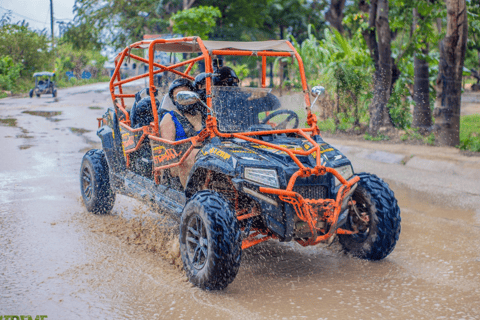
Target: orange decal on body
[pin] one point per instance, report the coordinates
(165, 155)
(128, 140)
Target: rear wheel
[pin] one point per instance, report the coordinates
(210, 241)
(97, 193)
(38, 95)
(376, 216)
(54, 93)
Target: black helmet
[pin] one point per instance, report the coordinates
(182, 82)
(227, 78)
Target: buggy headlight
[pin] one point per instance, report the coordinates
(346, 172)
(267, 177)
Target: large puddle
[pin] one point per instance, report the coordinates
(115, 266)
(433, 272)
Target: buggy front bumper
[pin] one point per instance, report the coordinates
(313, 211)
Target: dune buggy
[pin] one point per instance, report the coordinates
(44, 84)
(251, 181)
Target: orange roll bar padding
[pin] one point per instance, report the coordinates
(127, 116)
(192, 140)
(264, 71)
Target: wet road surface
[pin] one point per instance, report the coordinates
(58, 260)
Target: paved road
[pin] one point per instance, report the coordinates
(58, 260)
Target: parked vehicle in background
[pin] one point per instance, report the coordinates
(44, 84)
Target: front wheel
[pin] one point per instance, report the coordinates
(31, 93)
(97, 193)
(210, 241)
(376, 216)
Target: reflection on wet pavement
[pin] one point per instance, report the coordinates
(56, 259)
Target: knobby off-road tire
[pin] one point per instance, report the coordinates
(210, 241)
(31, 93)
(54, 93)
(97, 194)
(378, 239)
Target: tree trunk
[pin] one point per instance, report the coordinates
(187, 4)
(381, 53)
(449, 81)
(280, 76)
(363, 6)
(422, 115)
(334, 15)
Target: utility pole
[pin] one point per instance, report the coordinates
(53, 36)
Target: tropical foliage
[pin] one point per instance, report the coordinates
(198, 21)
(9, 73)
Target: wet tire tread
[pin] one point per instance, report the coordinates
(387, 215)
(224, 241)
(103, 197)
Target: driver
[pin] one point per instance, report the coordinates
(181, 123)
(226, 78)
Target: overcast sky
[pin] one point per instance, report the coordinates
(37, 12)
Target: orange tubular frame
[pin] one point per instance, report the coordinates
(308, 210)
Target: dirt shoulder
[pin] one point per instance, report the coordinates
(405, 153)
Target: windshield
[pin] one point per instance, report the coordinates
(239, 108)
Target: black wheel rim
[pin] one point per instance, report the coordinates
(87, 183)
(362, 206)
(197, 242)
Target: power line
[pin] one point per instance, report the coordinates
(20, 15)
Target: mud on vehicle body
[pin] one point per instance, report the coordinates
(252, 180)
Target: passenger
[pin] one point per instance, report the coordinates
(181, 123)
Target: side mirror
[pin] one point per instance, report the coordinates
(318, 91)
(187, 97)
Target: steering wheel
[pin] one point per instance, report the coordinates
(282, 125)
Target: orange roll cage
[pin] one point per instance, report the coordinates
(306, 209)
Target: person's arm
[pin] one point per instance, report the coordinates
(167, 128)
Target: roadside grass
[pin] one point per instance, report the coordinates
(470, 133)
(327, 125)
(379, 137)
(345, 123)
(413, 135)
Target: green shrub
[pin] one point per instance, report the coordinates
(470, 133)
(327, 125)
(430, 139)
(344, 67)
(9, 73)
(25, 46)
(198, 21)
